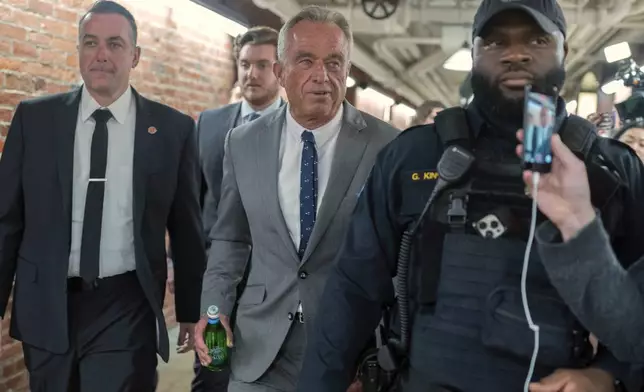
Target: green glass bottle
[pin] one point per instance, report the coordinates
(215, 338)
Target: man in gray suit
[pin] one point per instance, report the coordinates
(255, 52)
(290, 182)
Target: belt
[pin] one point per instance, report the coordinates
(78, 285)
(297, 316)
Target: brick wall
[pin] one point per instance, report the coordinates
(186, 63)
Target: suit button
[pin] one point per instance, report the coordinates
(303, 275)
(290, 316)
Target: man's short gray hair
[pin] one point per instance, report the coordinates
(313, 14)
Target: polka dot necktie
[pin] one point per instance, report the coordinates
(308, 189)
(251, 117)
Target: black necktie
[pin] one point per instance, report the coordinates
(93, 218)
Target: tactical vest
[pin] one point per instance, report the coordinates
(477, 338)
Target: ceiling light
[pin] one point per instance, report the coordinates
(612, 87)
(460, 61)
(406, 110)
(230, 27)
(379, 96)
(350, 82)
(586, 104)
(617, 52)
(207, 20)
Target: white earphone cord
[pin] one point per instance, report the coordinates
(524, 274)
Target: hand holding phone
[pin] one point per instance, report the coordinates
(538, 126)
(564, 193)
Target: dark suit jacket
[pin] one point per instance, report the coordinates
(35, 215)
(212, 127)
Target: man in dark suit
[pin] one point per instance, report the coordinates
(90, 181)
(255, 52)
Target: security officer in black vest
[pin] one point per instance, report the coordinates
(467, 330)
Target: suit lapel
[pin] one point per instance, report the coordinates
(146, 141)
(350, 146)
(267, 152)
(65, 127)
(233, 115)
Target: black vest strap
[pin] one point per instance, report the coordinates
(577, 133)
(453, 128)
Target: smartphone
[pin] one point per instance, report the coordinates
(538, 126)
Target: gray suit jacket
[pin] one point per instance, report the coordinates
(250, 216)
(212, 127)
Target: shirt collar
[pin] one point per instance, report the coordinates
(246, 109)
(322, 134)
(119, 108)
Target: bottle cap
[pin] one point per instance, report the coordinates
(213, 312)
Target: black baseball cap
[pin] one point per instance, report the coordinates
(547, 13)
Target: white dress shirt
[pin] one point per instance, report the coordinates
(290, 160)
(117, 235)
(246, 110)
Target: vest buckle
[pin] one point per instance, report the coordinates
(457, 212)
(582, 349)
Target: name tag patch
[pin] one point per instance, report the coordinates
(422, 175)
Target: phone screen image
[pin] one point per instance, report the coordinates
(538, 126)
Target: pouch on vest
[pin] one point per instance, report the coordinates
(479, 323)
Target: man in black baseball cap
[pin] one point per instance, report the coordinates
(546, 13)
(516, 42)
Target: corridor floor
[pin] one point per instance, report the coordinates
(176, 375)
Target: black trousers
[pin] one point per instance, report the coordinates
(208, 381)
(112, 341)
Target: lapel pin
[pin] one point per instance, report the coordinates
(152, 130)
